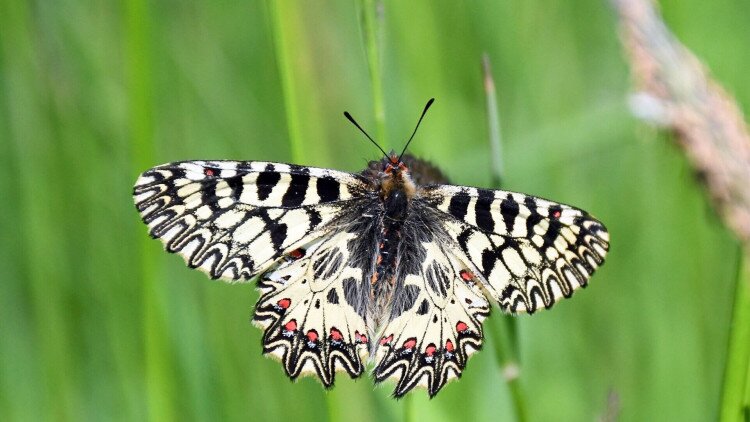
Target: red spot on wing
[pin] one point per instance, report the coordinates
(409, 344)
(449, 346)
(359, 337)
(284, 303)
(430, 350)
(386, 340)
(297, 253)
(466, 275)
(336, 334)
(556, 214)
(208, 172)
(291, 325)
(312, 335)
(461, 327)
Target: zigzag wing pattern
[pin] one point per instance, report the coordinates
(313, 322)
(234, 219)
(529, 252)
(429, 343)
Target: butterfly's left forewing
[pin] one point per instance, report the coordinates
(234, 219)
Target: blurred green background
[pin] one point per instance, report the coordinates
(97, 322)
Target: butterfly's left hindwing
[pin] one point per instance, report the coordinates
(234, 219)
(309, 309)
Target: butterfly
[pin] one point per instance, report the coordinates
(391, 266)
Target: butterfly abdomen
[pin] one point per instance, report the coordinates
(395, 194)
(396, 190)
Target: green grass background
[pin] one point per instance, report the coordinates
(98, 323)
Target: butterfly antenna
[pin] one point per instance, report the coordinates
(354, 122)
(426, 107)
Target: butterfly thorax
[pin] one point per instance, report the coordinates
(396, 181)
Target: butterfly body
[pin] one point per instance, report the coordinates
(396, 190)
(391, 265)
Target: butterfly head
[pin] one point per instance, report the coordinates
(394, 165)
(395, 178)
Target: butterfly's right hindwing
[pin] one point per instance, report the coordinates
(428, 341)
(234, 219)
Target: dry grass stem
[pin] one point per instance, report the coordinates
(676, 90)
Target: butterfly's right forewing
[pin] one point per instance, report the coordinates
(528, 252)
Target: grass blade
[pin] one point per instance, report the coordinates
(735, 402)
(372, 22)
(504, 335)
(288, 83)
(159, 385)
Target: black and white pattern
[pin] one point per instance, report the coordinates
(391, 266)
